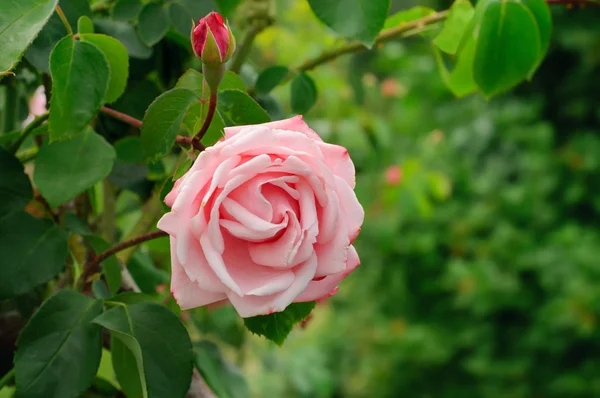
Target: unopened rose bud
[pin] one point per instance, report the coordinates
(212, 40)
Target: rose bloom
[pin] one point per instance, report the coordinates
(264, 218)
(393, 175)
(37, 105)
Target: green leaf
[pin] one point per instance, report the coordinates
(32, 251)
(64, 169)
(74, 225)
(85, 25)
(20, 23)
(403, 17)
(192, 80)
(131, 298)
(237, 108)
(355, 19)
(270, 78)
(38, 53)
(508, 47)
(100, 289)
(159, 344)
(543, 19)
(54, 30)
(110, 267)
(153, 23)
(126, 10)
(58, 351)
(225, 7)
(231, 81)
(460, 80)
(180, 18)
(130, 150)
(126, 34)
(278, 325)
(223, 323)
(126, 367)
(163, 120)
(15, 188)
(215, 131)
(455, 26)
(118, 61)
(223, 378)
(303, 93)
(145, 273)
(80, 75)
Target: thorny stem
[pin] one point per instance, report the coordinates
(92, 266)
(122, 117)
(130, 120)
(212, 107)
(46, 206)
(64, 20)
(127, 243)
(27, 130)
(384, 36)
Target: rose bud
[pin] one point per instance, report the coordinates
(212, 40)
(264, 218)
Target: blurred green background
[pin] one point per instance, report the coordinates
(480, 272)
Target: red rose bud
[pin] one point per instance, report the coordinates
(212, 40)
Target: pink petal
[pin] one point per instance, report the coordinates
(351, 207)
(187, 293)
(253, 279)
(249, 306)
(332, 256)
(325, 287)
(293, 124)
(215, 260)
(250, 220)
(328, 218)
(198, 270)
(169, 223)
(281, 252)
(219, 31)
(338, 160)
(260, 140)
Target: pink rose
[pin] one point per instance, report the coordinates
(37, 105)
(393, 175)
(264, 218)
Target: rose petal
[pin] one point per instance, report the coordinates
(339, 162)
(323, 288)
(351, 207)
(259, 141)
(169, 223)
(216, 263)
(294, 124)
(332, 256)
(253, 279)
(187, 293)
(220, 175)
(198, 270)
(249, 220)
(281, 252)
(328, 218)
(249, 306)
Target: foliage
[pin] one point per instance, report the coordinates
(479, 266)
